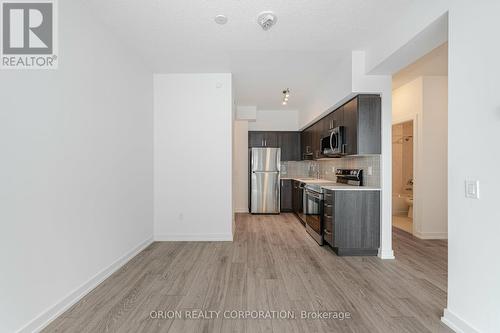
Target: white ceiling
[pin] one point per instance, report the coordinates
(434, 63)
(310, 36)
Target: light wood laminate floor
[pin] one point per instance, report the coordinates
(271, 265)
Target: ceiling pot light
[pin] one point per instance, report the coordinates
(266, 20)
(284, 103)
(220, 19)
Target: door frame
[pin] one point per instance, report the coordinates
(416, 225)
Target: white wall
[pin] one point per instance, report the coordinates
(425, 100)
(407, 101)
(433, 180)
(76, 171)
(193, 156)
(474, 109)
(335, 90)
(240, 164)
(246, 113)
(275, 120)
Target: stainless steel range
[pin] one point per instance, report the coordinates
(314, 200)
(313, 209)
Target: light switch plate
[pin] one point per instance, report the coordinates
(472, 189)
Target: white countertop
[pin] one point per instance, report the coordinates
(311, 180)
(332, 186)
(342, 187)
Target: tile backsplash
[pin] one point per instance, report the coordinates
(327, 168)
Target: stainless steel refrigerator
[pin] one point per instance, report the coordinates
(265, 180)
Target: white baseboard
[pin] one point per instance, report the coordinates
(46, 317)
(241, 210)
(430, 235)
(194, 238)
(386, 254)
(456, 324)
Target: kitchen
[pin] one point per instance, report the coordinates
(325, 176)
(127, 174)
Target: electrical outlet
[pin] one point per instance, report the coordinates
(333, 169)
(472, 189)
(370, 171)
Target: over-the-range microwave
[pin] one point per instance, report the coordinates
(333, 142)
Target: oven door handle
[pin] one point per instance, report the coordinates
(314, 195)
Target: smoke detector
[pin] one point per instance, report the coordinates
(266, 20)
(220, 19)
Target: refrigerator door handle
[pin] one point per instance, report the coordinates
(265, 172)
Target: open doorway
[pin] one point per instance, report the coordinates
(402, 176)
(420, 147)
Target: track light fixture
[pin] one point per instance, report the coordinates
(286, 95)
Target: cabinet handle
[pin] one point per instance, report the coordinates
(265, 142)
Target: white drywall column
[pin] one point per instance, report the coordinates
(474, 109)
(240, 166)
(379, 84)
(193, 157)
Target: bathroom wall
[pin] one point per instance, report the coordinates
(397, 160)
(328, 167)
(407, 144)
(402, 157)
(402, 166)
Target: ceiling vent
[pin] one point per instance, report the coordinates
(266, 20)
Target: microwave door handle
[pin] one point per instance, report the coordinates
(331, 140)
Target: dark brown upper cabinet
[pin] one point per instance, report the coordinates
(258, 139)
(289, 142)
(363, 127)
(361, 119)
(306, 144)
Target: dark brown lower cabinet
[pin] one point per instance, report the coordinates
(286, 195)
(298, 200)
(351, 222)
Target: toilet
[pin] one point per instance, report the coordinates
(409, 202)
